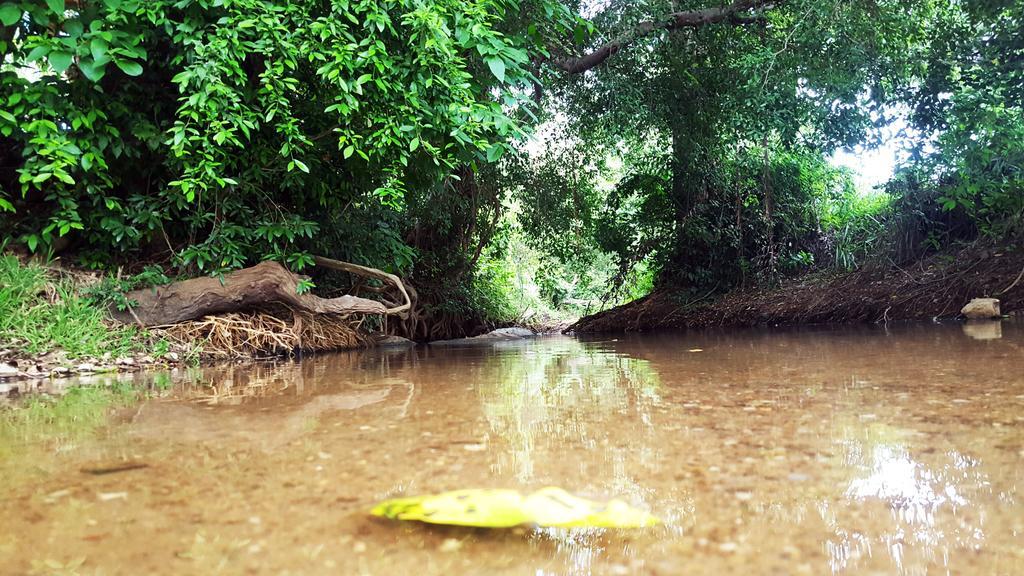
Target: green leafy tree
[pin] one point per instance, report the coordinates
(225, 131)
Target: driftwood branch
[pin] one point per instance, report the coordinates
(737, 13)
(263, 284)
(369, 273)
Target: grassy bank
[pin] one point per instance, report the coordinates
(42, 311)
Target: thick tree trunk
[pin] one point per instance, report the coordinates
(263, 284)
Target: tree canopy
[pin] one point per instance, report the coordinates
(688, 136)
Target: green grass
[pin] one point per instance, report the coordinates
(39, 314)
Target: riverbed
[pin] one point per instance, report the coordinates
(868, 450)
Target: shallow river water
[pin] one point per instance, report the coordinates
(819, 451)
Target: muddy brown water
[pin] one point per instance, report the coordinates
(821, 451)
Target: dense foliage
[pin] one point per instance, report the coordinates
(967, 174)
(686, 141)
(713, 142)
(230, 130)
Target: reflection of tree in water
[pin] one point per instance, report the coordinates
(235, 384)
(567, 396)
(921, 498)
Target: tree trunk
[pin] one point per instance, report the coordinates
(263, 284)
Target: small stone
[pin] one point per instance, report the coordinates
(125, 361)
(475, 447)
(980, 308)
(108, 496)
(728, 547)
(105, 357)
(171, 356)
(450, 545)
(86, 367)
(7, 370)
(146, 359)
(60, 371)
(359, 547)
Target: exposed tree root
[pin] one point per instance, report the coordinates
(256, 334)
(258, 311)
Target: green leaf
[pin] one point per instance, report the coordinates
(495, 152)
(37, 53)
(60, 61)
(414, 144)
(497, 66)
(73, 28)
(551, 507)
(10, 13)
(129, 67)
(91, 70)
(112, 4)
(8, 116)
(56, 6)
(301, 166)
(348, 151)
(32, 242)
(98, 48)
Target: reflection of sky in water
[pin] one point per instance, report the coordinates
(564, 395)
(915, 494)
(559, 394)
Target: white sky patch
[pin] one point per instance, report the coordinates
(875, 163)
(872, 167)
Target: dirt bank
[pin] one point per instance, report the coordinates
(937, 286)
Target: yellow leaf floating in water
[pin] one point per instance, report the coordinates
(550, 507)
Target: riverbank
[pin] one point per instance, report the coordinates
(934, 287)
(55, 323)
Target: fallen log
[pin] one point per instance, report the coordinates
(261, 285)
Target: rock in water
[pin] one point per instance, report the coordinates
(980, 308)
(395, 342)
